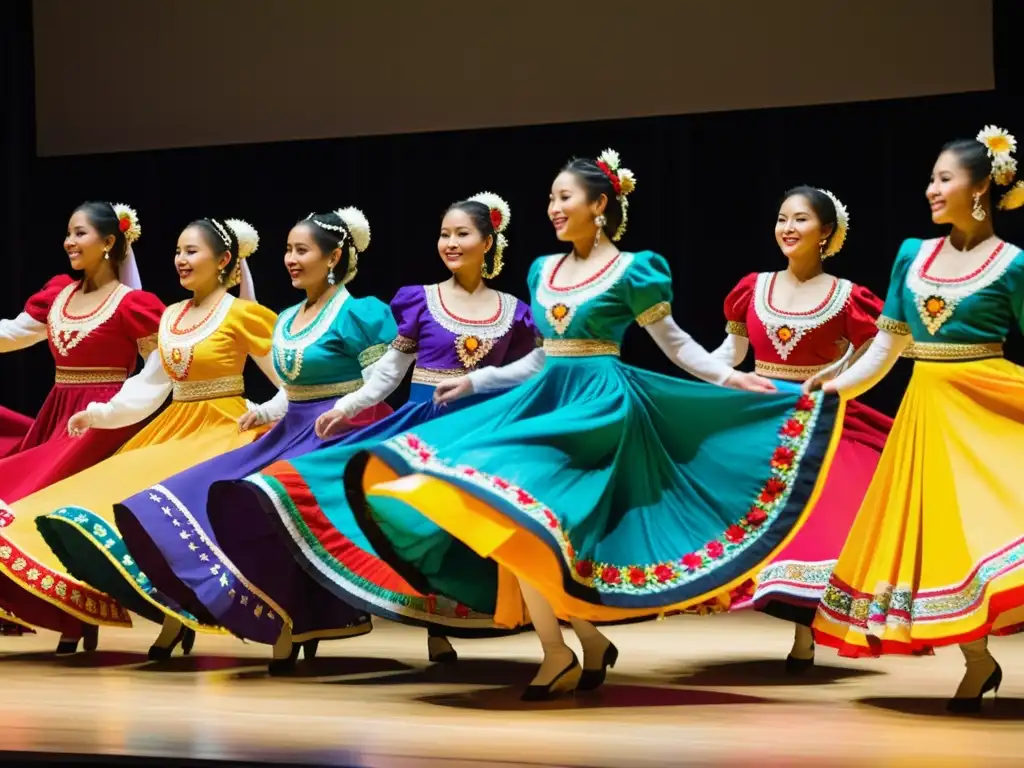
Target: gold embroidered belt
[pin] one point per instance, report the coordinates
(82, 376)
(788, 372)
(301, 394)
(580, 348)
(211, 389)
(933, 350)
(434, 376)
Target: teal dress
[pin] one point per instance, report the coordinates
(617, 492)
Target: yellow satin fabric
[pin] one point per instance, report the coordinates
(941, 528)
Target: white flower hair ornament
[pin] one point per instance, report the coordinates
(248, 240)
(623, 182)
(127, 222)
(500, 215)
(1000, 145)
(358, 227)
(838, 238)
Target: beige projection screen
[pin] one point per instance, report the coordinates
(117, 75)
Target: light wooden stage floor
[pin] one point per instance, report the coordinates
(687, 691)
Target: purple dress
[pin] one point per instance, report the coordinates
(299, 507)
(166, 527)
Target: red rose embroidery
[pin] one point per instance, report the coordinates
(6, 517)
(584, 568)
(693, 561)
(413, 442)
(735, 534)
(461, 611)
(756, 516)
(611, 575)
(524, 498)
(503, 484)
(638, 576)
(424, 455)
(783, 457)
(793, 428)
(552, 520)
(469, 471)
(715, 549)
(805, 403)
(772, 489)
(663, 573)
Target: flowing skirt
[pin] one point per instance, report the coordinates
(618, 493)
(936, 553)
(192, 570)
(64, 535)
(297, 509)
(47, 454)
(792, 585)
(13, 428)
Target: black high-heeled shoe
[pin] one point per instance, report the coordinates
(186, 638)
(795, 666)
(972, 705)
(444, 657)
(67, 647)
(284, 667)
(565, 682)
(309, 649)
(594, 678)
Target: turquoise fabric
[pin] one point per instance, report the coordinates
(347, 335)
(995, 303)
(650, 490)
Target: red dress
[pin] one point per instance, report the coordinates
(13, 428)
(94, 355)
(793, 347)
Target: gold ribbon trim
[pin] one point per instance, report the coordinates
(788, 372)
(659, 311)
(434, 376)
(307, 393)
(580, 348)
(930, 350)
(85, 376)
(211, 389)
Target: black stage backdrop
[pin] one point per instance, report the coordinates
(708, 190)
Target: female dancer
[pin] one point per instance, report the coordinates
(299, 505)
(321, 348)
(203, 344)
(97, 327)
(933, 556)
(581, 482)
(803, 323)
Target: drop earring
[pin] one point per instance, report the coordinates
(599, 221)
(106, 255)
(330, 276)
(978, 212)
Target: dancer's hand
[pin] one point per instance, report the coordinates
(750, 382)
(813, 384)
(250, 420)
(331, 423)
(79, 424)
(452, 389)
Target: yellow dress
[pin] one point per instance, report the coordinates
(201, 367)
(936, 554)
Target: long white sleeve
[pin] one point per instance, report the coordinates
(872, 366)
(494, 378)
(733, 350)
(387, 374)
(273, 410)
(137, 399)
(23, 331)
(682, 350)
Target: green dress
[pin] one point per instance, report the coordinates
(617, 492)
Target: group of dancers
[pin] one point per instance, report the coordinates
(532, 478)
